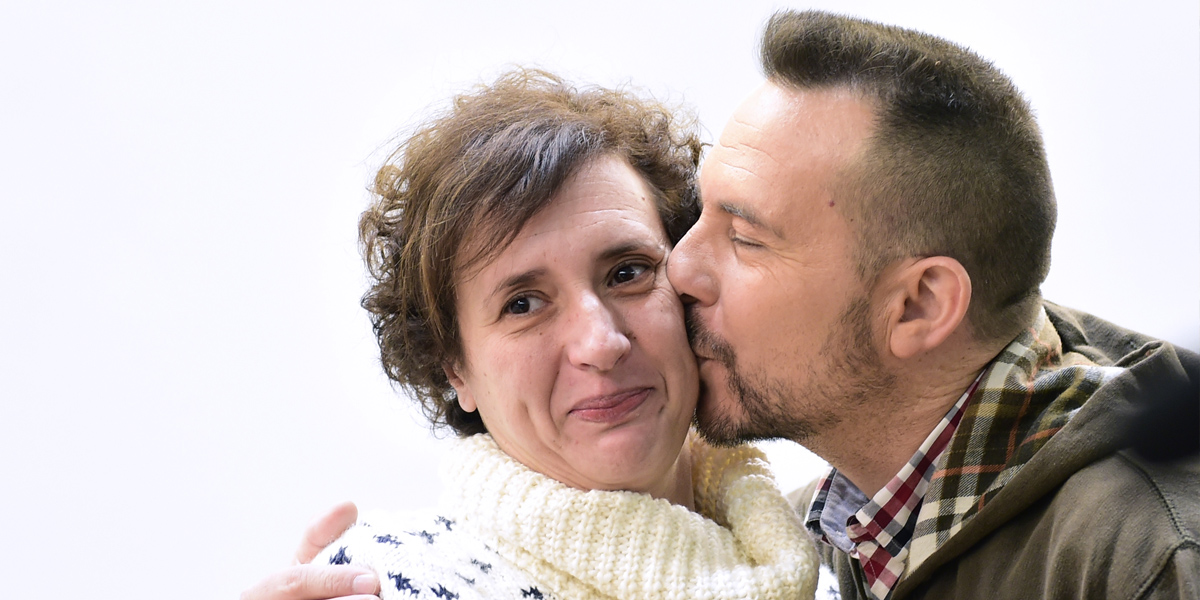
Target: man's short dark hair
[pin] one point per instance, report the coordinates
(956, 165)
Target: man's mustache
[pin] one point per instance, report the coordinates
(705, 343)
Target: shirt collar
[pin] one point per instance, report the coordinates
(877, 531)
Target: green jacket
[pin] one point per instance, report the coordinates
(1085, 517)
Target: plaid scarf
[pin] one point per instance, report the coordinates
(1026, 395)
(1021, 399)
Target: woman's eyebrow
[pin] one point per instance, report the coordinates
(527, 277)
(518, 280)
(624, 248)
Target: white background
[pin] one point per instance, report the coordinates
(185, 376)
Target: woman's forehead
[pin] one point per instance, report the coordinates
(605, 200)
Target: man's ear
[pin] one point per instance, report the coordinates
(466, 400)
(927, 303)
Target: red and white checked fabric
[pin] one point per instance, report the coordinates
(881, 530)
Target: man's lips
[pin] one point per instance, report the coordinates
(610, 407)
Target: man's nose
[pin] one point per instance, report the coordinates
(598, 337)
(689, 269)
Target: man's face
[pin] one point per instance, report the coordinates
(779, 320)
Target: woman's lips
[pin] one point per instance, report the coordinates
(610, 408)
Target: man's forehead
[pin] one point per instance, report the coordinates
(779, 127)
(765, 114)
(783, 152)
(769, 104)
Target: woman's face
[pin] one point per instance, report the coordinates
(575, 351)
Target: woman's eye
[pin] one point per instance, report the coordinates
(628, 272)
(523, 305)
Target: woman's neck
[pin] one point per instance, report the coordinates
(676, 486)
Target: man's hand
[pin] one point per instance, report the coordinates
(303, 581)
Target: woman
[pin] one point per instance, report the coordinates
(518, 247)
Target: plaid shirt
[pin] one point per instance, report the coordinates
(878, 532)
(1025, 396)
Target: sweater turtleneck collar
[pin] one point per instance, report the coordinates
(746, 541)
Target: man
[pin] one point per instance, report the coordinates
(863, 280)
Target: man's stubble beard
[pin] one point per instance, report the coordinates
(848, 380)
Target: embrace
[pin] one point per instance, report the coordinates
(856, 268)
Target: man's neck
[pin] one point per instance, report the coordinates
(870, 449)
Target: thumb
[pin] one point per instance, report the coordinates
(326, 529)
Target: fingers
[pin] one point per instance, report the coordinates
(316, 582)
(303, 581)
(326, 529)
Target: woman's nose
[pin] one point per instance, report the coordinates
(598, 338)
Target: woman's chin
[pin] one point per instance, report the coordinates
(630, 459)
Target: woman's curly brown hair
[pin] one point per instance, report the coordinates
(479, 172)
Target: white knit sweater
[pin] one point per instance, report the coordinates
(504, 531)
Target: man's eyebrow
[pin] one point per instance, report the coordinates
(750, 217)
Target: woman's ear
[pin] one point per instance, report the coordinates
(929, 302)
(465, 399)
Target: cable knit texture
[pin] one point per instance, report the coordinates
(543, 539)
